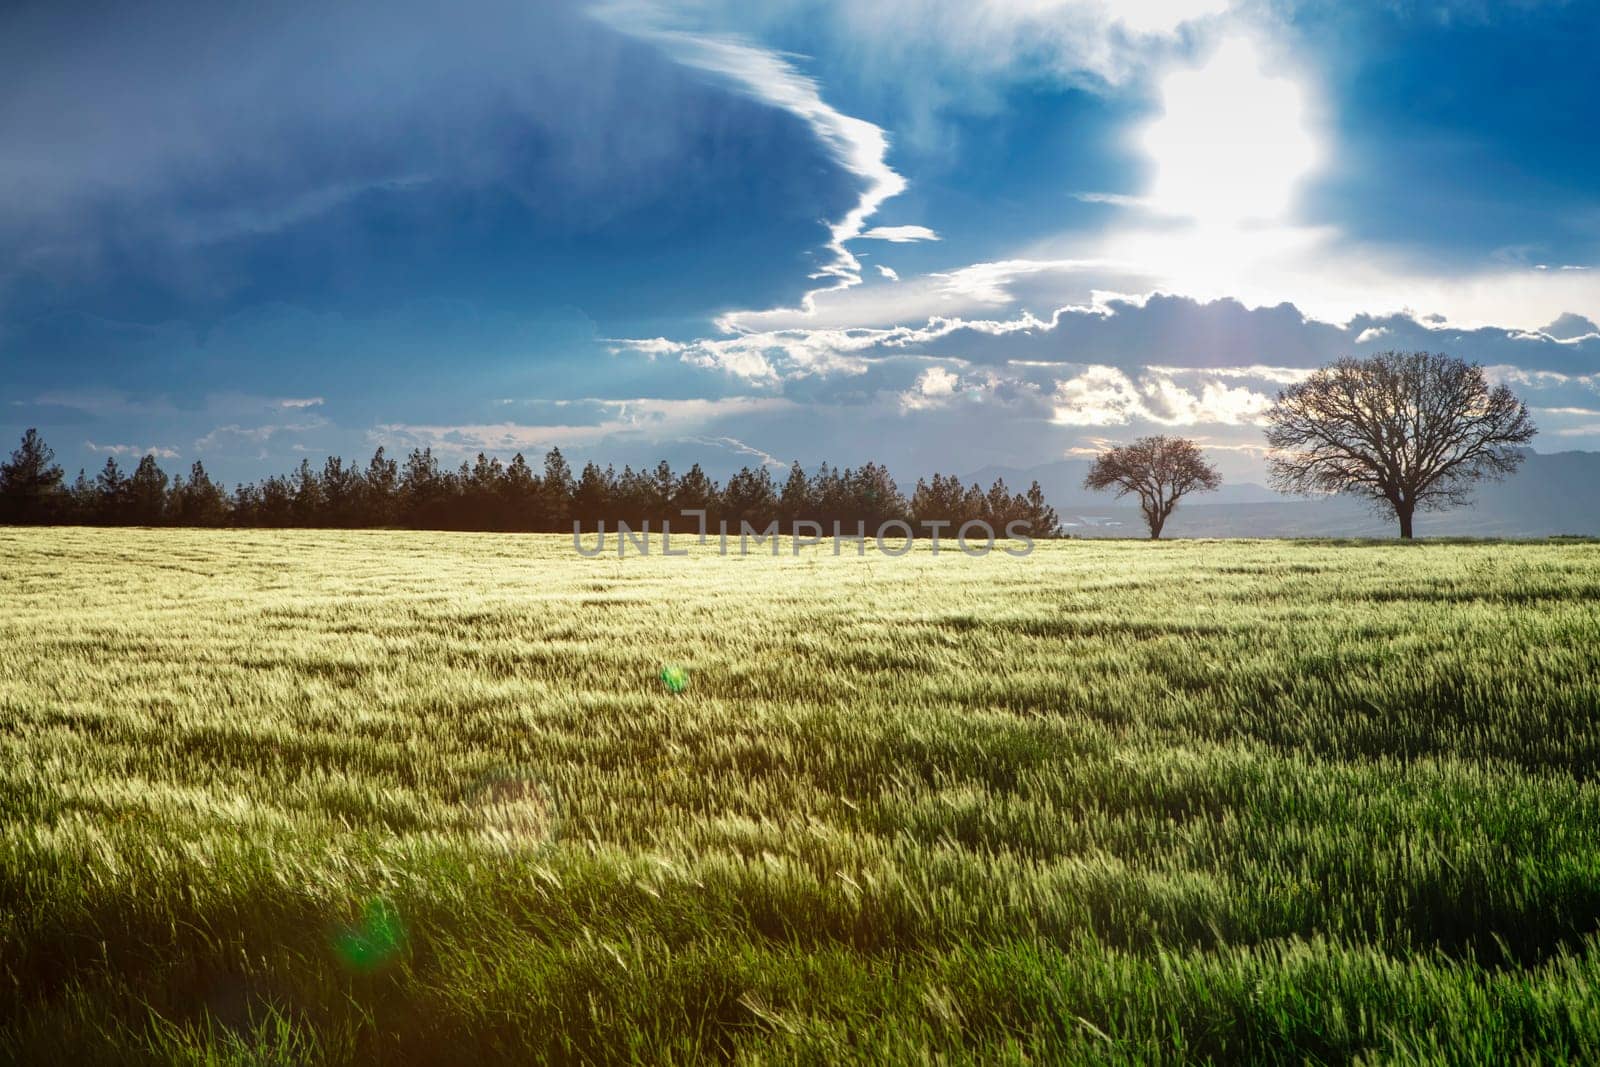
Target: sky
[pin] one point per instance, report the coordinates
(941, 234)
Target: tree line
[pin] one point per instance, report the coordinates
(1407, 431)
(418, 492)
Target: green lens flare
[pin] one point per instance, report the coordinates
(676, 679)
(372, 942)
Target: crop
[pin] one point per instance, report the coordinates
(361, 796)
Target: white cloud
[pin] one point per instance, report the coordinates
(767, 459)
(1106, 396)
(306, 402)
(235, 433)
(1116, 199)
(1256, 371)
(936, 381)
(859, 146)
(888, 272)
(132, 450)
(900, 234)
(1326, 275)
(953, 53)
(773, 356)
(1162, 16)
(1101, 396)
(934, 387)
(652, 418)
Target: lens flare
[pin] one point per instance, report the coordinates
(376, 940)
(676, 679)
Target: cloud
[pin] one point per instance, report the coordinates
(935, 387)
(859, 146)
(647, 418)
(900, 234)
(1569, 327)
(936, 381)
(766, 458)
(235, 434)
(1115, 199)
(525, 154)
(888, 272)
(928, 56)
(979, 287)
(307, 402)
(132, 450)
(1106, 396)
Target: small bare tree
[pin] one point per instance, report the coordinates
(1161, 470)
(1404, 429)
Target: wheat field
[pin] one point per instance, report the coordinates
(382, 797)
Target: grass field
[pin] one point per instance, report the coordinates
(384, 797)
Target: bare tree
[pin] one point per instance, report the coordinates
(1406, 429)
(1161, 470)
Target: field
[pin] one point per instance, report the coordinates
(384, 797)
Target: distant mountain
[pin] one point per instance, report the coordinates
(1553, 493)
(1062, 482)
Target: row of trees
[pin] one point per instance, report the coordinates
(1408, 431)
(486, 494)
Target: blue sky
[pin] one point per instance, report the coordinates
(941, 234)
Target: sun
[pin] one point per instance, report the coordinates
(1232, 144)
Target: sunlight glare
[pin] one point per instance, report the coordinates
(1232, 143)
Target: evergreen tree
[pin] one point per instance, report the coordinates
(1042, 518)
(113, 494)
(999, 507)
(81, 501)
(593, 498)
(973, 505)
(874, 496)
(30, 483)
(663, 485)
(246, 509)
(277, 502)
(938, 500)
(636, 500)
(423, 490)
(200, 501)
(379, 489)
(556, 491)
(796, 503)
(694, 491)
(308, 497)
(519, 493)
(147, 493)
(343, 496)
(829, 497)
(750, 497)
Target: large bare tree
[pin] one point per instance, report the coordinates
(1160, 470)
(1404, 429)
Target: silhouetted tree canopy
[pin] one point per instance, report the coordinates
(30, 483)
(1159, 470)
(1406, 430)
(486, 494)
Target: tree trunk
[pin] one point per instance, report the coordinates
(1404, 512)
